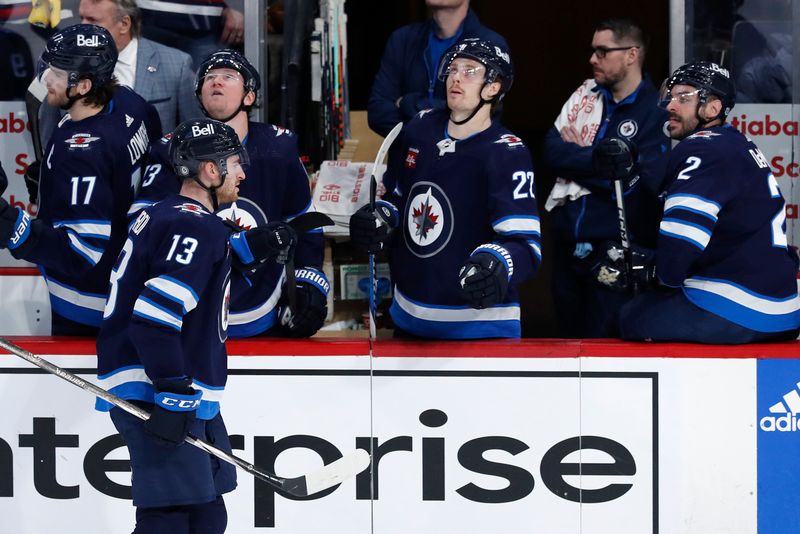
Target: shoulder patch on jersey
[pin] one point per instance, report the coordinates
(424, 112)
(166, 139)
(80, 141)
(128, 120)
(703, 134)
(194, 209)
(411, 158)
(510, 140)
(281, 131)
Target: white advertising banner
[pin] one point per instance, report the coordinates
(774, 129)
(466, 445)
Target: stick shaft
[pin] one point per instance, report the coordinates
(134, 410)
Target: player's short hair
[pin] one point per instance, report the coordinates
(626, 31)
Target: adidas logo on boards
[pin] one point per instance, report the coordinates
(789, 408)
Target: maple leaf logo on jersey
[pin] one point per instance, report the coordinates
(510, 140)
(703, 134)
(188, 207)
(424, 219)
(80, 140)
(411, 158)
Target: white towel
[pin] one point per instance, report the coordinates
(583, 111)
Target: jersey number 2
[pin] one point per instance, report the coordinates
(524, 178)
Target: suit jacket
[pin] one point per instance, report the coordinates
(164, 77)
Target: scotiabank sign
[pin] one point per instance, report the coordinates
(775, 128)
(459, 445)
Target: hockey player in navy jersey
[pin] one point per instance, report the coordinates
(462, 188)
(91, 165)
(725, 271)
(162, 343)
(277, 189)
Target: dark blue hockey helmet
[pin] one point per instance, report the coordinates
(709, 78)
(83, 51)
(198, 140)
(229, 59)
(494, 57)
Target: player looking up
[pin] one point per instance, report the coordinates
(276, 190)
(725, 271)
(467, 229)
(91, 166)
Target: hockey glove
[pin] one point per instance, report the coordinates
(615, 159)
(175, 410)
(274, 241)
(370, 231)
(312, 304)
(15, 230)
(484, 278)
(3, 180)
(32, 181)
(610, 270)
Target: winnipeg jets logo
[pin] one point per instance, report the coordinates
(244, 213)
(446, 145)
(424, 217)
(428, 222)
(510, 140)
(628, 128)
(703, 134)
(187, 207)
(80, 140)
(128, 120)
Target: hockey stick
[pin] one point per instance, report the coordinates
(373, 187)
(36, 94)
(326, 477)
(623, 233)
(302, 224)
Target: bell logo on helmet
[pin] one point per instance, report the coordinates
(93, 40)
(198, 131)
(504, 55)
(720, 70)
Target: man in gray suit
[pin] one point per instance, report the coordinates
(161, 75)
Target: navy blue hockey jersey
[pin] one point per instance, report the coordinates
(722, 237)
(454, 196)
(167, 311)
(88, 176)
(276, 189)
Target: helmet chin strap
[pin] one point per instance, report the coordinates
(212, 190)
(241, 107)
(70, 99)
(477, 108)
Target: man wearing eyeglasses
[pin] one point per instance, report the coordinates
(277, 190)
(723, 269)
(621, 102)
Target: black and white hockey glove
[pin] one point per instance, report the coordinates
(32, 180)
(484, 278)
(610, 270)
(614, 159)
(370, 231)
(175, 410)
(17, 231)
(312, 304)
(274, 241)
(3, 180)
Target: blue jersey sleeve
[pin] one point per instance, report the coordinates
(694, 200)
(512, 205)
(158, 178)
(183, 256)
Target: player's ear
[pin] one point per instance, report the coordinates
(712, 108)
(83, 86)
(249, 98)
(491, 90)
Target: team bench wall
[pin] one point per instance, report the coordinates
(530, 436)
